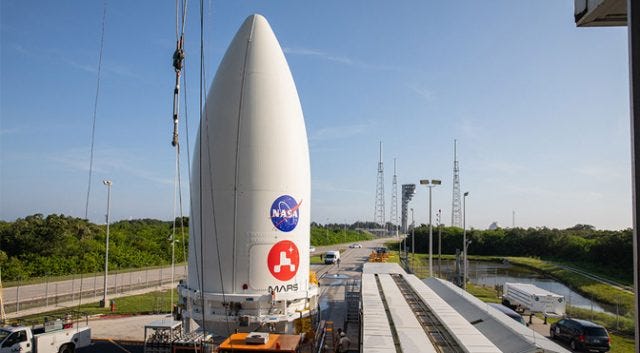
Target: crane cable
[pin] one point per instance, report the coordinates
(178, 64)
(95, 110)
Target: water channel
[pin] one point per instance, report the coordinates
(494, 273)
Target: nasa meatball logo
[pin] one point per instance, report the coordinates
(284, 213)
(283, 260)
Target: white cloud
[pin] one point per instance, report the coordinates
(327, 186)
(338, 132)
(425, 93)
(339, 59)
(599, 171)
(532, 190)
(9, 131)
(109, 161)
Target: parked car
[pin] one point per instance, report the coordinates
(312, 249)
(581, 335)
(356, 245)
(382, 250)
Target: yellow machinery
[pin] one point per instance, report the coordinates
(237, 343)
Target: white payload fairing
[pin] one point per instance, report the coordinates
(249, 226)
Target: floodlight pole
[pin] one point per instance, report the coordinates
(106, 253)
(440, 243)
(413, 242)
(430, 184)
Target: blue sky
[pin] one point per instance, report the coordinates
(539, 107)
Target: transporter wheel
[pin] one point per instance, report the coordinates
(66, 348)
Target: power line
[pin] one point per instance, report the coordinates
(95, 110)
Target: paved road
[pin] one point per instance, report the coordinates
(20, 298)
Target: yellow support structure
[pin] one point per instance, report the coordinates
(313, 278)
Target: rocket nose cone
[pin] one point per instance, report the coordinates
(254, 23)
(256, 17)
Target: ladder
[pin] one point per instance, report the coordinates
(329, 339)
(352, 297)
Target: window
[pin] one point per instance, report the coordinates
(595, 331)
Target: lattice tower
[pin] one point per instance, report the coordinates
(456, 210)
(379, 216)
(394, 200)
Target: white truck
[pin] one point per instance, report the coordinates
(331, 257)
(52, 338)
(525, 296)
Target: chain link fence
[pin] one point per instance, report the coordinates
(83, 288)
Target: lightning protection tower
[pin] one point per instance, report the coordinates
(408, 190)
(379, 213)
(394, 200)
(456, 211)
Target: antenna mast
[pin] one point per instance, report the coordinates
(379, 213)
(394, 199)
(456, 211)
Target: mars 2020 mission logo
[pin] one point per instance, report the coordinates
(284, 213)
(283, 260)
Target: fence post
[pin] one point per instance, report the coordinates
(617, 313)
(73, 287)
(80, 300)
(18, 297)
(46, 291)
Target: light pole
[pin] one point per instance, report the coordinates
(413, 241)
(464, 240)
(106, 253)
(430, 185)
(440, 243)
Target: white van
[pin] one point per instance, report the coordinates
(331, 257)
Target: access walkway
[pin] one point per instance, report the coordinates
(400, 314)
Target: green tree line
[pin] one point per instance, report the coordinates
(582, 243)
(58, 245)
(334, 235)
(55, 245)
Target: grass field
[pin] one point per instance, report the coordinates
(149, 303)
